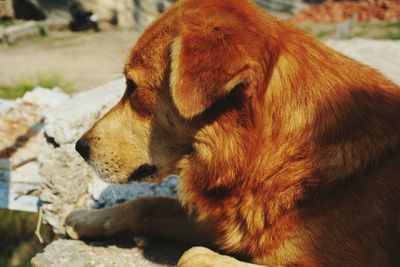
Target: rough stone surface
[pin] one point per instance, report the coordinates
(18, 117)
(6, 9)
(66, 253)
(21, 135)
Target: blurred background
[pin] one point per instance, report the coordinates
(76, 45)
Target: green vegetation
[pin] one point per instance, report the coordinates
(5, 23)
(44, 80)
(18, 243)
(394, 24)
(392, 36)
(42, 31)
(371, 29)
(319, 31)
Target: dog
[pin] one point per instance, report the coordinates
(288, 151)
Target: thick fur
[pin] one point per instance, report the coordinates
(287, 150)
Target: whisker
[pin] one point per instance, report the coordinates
(112, 189)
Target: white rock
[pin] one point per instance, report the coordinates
(45, 98)
(21, 136)
(4, 105)
(69, 121)
(66, 253)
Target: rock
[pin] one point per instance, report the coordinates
(17, 117)
(67, 122)
(6, 9)
(13, 33)
(69, 182)
(119, 12)
(31, 29)
(65, 253)
(21, 135)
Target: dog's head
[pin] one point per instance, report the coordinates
(198, 63)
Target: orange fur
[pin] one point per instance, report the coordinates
(287, 148)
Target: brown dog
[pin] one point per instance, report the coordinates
(288, 151)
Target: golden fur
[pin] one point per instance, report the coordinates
(288, 151)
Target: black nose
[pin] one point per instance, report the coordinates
(83, 148)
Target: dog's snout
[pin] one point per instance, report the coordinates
(83, 148)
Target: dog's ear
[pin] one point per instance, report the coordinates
(207, 62)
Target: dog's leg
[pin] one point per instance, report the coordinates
(150, 215)
(204, 257)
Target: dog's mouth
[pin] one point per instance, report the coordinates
(144, 172)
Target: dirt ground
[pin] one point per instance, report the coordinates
(86, 59)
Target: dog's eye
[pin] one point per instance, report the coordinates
(130, 86)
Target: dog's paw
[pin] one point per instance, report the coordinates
(90, 223)
(204, 257)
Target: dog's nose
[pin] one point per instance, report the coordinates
(83, 148)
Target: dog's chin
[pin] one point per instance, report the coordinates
(113, 179)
